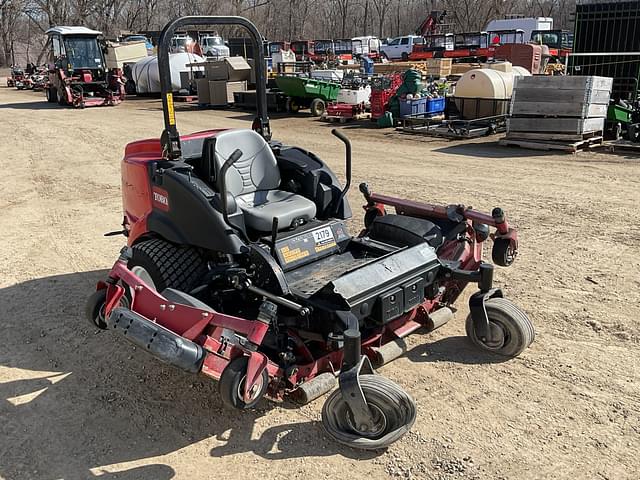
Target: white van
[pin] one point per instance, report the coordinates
(401, 47)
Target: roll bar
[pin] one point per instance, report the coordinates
(170, 138)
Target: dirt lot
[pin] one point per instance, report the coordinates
(78, 404)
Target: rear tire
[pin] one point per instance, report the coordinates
(292, 105)
(515, 326)
(393, 409)
(52, 95)
(405, 57)
(168, 265)
(318, 107)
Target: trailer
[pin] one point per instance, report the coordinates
(309, 93)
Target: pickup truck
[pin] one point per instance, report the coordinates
(400, 47)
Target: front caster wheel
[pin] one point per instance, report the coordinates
(512, 330)
(392, 409)
(94, 309)
(231, 385)
(503, 253)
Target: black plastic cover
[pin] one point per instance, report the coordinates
(401, 230)
(157, 340)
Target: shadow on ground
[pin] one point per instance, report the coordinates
(37, 105)
(490, 149)
(83, 399)
(453, 349)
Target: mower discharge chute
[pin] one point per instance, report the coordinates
(239, 265)
(78, 73)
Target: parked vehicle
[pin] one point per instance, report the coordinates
(239, 265)
(560, 42)
(213, 46)
(401, 47)
(303, 49)
(140, 38)
(78, 75)
(368, 45)
(16, 79)
(183, 43)
(527, 25)
(343, 49)
(275, 47)
(502, 37)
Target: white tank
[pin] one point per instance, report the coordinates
(487, 84)
(145, 72)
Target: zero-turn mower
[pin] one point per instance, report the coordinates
(239, 265)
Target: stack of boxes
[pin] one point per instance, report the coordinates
(222, 78)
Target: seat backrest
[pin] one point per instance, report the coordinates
(257, 168)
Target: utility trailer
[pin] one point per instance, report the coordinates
(607, 43)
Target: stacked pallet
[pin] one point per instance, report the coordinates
(558, 113)
(437, 67)
(462, 68)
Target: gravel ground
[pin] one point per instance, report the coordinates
(79, 404)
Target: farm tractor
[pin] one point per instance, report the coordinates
(239, 266)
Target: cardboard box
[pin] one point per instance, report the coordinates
(238, 68)
(234, 69)
(202, 84)
(221, 91)
(126, 52)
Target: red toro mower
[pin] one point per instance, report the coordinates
(239, 265)
(78, 74)
(17, 77)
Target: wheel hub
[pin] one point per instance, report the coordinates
(143, 275)
(498, 337)
(378, 427)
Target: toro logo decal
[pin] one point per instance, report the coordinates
(160, 198)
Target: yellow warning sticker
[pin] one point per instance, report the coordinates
(172, 113)
(320, 248)
(292, 255)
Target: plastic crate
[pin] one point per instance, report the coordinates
(435, 105)
(414, 107)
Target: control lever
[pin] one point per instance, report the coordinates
(233, 158)
(347, 143)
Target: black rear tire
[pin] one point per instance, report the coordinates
(52, 95)
(405, 57)
(169, 265)
(231, 385)
(392, 407)
(511, 322)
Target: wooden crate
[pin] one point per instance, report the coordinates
(462, 68)
(433, 66)
(555, 125)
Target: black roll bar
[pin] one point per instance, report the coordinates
(170, 138)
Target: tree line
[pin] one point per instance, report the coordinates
(23, 22)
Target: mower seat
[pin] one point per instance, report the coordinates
(254, 179)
